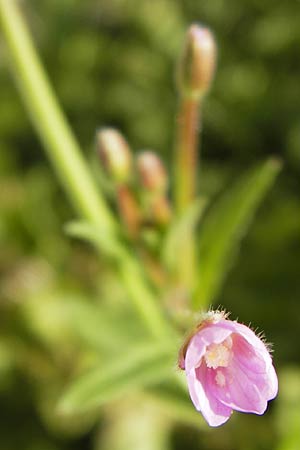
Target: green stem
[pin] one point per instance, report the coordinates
(143, 299)
(186, 164)
(130, 273)
(65, 155)
(186, 157)
(49, 121)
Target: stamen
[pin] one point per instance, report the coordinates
(218, 355)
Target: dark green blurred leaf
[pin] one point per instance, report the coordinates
(178, 230)
(225, 226)
(101, 240)
(288, 412)
(136, 367)
(173, 398)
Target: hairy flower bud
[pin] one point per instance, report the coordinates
(152, 174)
(114, 153)
(197, 64)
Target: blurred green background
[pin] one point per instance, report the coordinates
(111, 62)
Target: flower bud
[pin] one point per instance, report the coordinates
(152, 174)
(197, 64)
(114, 153)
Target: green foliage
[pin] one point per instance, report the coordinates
(131, 369)
(174, 400)
(100, 239)
(288, 414)
(176, 234)
(226, 224)
(62, 313)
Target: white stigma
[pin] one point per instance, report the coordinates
(218, 355)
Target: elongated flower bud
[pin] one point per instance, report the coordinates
(152, 174)
(114, 153)
(197, 64)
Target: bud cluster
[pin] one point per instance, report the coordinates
(141, 187)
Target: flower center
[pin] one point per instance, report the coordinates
(218, 355)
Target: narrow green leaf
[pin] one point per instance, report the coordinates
(173, 398)
(226, 224)
(141, 366)
(131, 274)
(102, 328)
(99, 238)
(178, 231)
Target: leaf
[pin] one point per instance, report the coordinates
(136, 425)
(141, 366)
(174, 400)
(178, 230)
(131, 274)
(226, 224)
(93, 234)
(288, 413)
(103, 328)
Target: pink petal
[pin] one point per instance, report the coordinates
(197, 347)
(239, 392)
(247, 355)
(273, 383)
(249, 335)
(214, 412)
(254, 364)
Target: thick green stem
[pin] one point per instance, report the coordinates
(49, 121)
(65, 155)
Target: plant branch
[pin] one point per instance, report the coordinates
(67, 160)
(186, 152)
(49, 121)
(186, 162)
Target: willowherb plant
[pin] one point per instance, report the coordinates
(169, 257)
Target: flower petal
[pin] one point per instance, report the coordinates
(250, 337)
(273, 383)
(239, 391)
(248, 356)
(214, 412)
(210, 334)
(253, 363)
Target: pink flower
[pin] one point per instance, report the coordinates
(227, 367)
